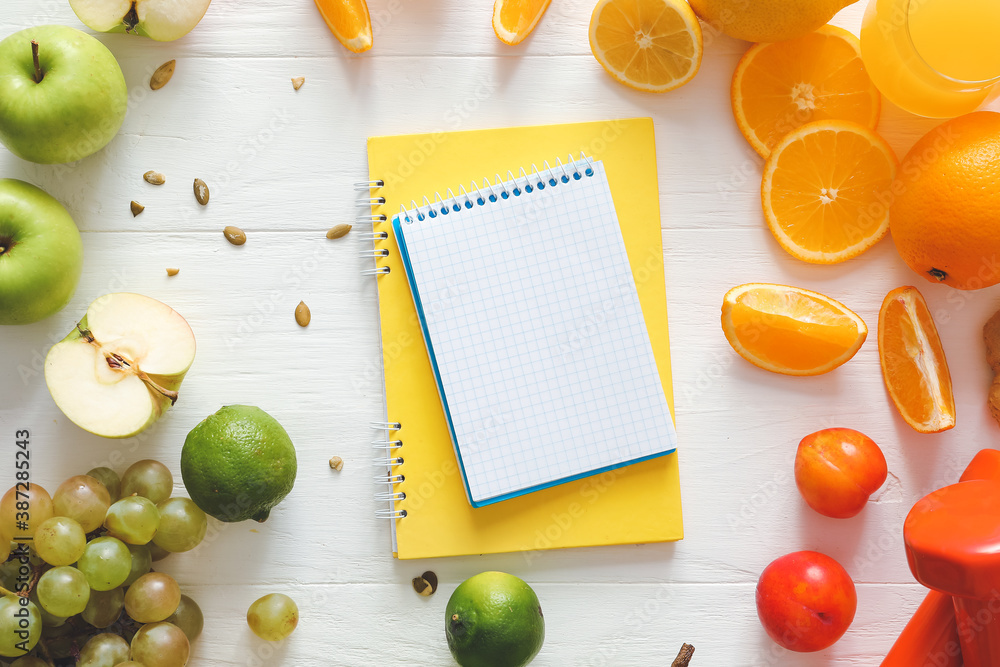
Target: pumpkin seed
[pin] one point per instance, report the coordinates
(200, 191)
(154, 178)
(338, 230)
(173, 272)
(302, 314)
(297, 82)
(234, 235)
(137, 208)
(162, 75)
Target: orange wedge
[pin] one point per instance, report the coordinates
(513, 20)
(819, 76)
(349, 21)
(651, 45)
(913, 364)
(790, 330)
(826, 189)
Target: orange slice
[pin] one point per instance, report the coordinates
(826, 190)
(913, 364)
(513, 20)
(790, 330)
(781, 86)
(651, 45)
(349, 21)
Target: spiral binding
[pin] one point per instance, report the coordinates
(525, 182)
(389, 477)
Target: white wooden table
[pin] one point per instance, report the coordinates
(281, 163)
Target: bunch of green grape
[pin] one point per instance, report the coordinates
(77, 571)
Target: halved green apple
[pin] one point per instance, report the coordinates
(120, 368)
(162, 20)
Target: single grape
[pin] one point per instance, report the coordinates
(182, 525)
(141, 562)
(152, 597)
(84, 499)
(49, 621)
(110, 479)
(188, 618)
(106, 562)
(20, 626)
(104, 607)
(63, 591)
(160, 645)
(22, 510)
(103, 650)
(133, 519)
(9, 574)
(149, 479)
(157, 552)
(4, 544)
(60, 541)
(273, 617)
(29, 661)
(130, 663)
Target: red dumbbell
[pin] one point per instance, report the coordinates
(952, 539)
(931, 636)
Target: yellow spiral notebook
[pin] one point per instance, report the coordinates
(425, 497)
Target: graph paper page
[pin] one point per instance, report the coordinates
(533, 323)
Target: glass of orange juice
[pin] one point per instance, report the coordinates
(934, 58)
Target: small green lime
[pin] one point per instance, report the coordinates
(494, 620)
(238, 463)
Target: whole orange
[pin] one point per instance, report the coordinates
(945, 211)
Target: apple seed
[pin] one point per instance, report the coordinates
(338, 230)
(154, 178)
(162, 75)
(337, 463)
(137, 208)
(234, 235)
(173, 272)
(426, 584)
(297, 82)
(200, 191)
(302, 314)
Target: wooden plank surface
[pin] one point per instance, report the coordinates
(281, 163)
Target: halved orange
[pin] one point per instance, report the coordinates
(651, 45)
(819, 76)
(790, 330)
(513, 20)
(913, 363)
(826, 190)
(349, 21)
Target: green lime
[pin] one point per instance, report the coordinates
(238, 463)
(494, 620)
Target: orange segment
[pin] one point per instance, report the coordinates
(782, 86)
(651, 45)
(513, 20)
(826, 188)
(790, 330)
(349, 21)
(913, 363)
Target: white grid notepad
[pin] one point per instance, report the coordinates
(533, 323)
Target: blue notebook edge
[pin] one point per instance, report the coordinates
(418, 304)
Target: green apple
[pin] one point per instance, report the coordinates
(120, 368)
(41, 254)
(62, 94)
(162, 20)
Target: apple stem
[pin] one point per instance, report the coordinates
(683, 658)
(38, 66)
